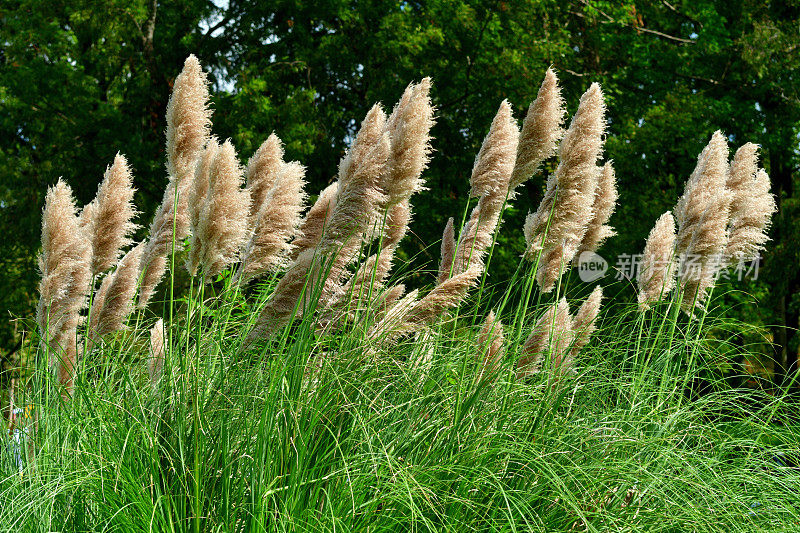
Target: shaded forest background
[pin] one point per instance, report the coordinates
(81, 80)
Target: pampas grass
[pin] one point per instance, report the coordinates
(65, 266)
(490, 341)
(113, 301)
(108, 221)
(702, 216)
(605, 201)
(447, 252)
(752, 207)
(155, 362)
(552, 334)
(223, 225)
(275, 223)
(559, 225)
(656, 275)
(541, 130)
(188, 126)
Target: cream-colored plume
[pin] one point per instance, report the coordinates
(490, 342)
(65, 265)
(222, 230)
(702, 216)
(198, 195)
(316, 220)
(188, 122)
(656, 273)
(490, 177)
(113, 301)
(409, 132)
(109, 221)
(489, 181)
(541, 130)
(584, 324)
(358, 203)
(752, 207)
(262, 173)
(155, 362)
(553, 335)
(562, 219)
(448, 252)
(188, 126)
(275, 223)
(605, 201)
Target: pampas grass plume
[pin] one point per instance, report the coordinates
(702, 216)
(605, 201)
(113, 301)
(656, 274)
(222, 230)
(561, 221)
(541, 130)
(752, 207)
(552, 333)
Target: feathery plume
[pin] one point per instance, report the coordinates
(583, 324)
(155, 363)
(605, 201)
(65, 265)
(188, 121)
(656, 276)
(223, 226)
(448, 252)
(198, 194)
(409, 128)
(541, 130)
(113, 301)
(742, 173)
(561, 221)
(188, 126)
(262, 173)
(552, 334)
(275, 223)
(702, 216)
(316, 220)
(357, 205)
(489, 180)
(490, 341)
(409, 133)
(490, 175)
(108, 222)
(752, 207)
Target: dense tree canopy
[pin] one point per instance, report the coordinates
(81, 80)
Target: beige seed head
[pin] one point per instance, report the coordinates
(409, 128)
(490, 341)
(553, 334)
(64, 263)
(562, 219)
(262, 172)
(702, 216)
(750, 220)
(490, 177)
(656, 275)
(113, 213)
(275, 223)
(447, 252)
(113, 301)
(541, 130)
(198, 194)
(316, 220)
(605, 201)
(222, 230)
(584, 324)
(188, 120)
